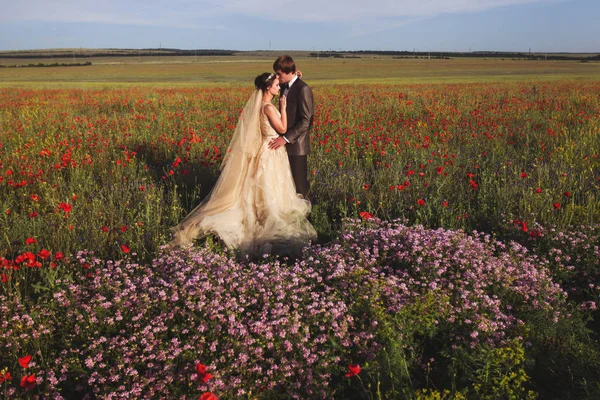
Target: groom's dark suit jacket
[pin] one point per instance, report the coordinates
(300, 115)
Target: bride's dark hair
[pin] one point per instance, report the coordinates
(264, 81)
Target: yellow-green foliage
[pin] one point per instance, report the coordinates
(502, 375)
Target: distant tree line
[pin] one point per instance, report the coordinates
(117, 53)
(38, 65)
(332, 55)
(428, 56)
(448, 55)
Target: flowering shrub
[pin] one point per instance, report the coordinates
(194, 321)
(135, 331)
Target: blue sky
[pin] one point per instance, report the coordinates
(424, 25)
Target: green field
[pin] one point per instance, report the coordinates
(175, 71)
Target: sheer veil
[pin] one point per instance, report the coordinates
(238, 164)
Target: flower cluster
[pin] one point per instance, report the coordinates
(195, 322)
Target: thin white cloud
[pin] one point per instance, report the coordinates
(197, 14)
(132, 12)
(357, 10)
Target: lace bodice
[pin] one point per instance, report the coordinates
(265, 127)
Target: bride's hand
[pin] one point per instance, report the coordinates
(282, 102)
(299, 73)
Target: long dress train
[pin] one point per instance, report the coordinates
(254, 206)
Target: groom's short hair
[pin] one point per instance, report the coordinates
(284, 64)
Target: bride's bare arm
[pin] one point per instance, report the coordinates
(278, 123)
(282, 110)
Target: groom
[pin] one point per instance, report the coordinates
(300, 116)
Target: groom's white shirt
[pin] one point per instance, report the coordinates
(290, 83)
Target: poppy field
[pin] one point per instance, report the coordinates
(458, 252)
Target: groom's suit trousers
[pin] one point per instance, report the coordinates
(299, 166)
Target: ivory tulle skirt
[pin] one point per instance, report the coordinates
(259, 212)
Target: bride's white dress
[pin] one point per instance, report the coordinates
(264, 215)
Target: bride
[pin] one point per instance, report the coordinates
(254, 206)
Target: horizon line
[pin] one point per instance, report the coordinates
(73, 49)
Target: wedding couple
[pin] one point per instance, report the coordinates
(260, 201)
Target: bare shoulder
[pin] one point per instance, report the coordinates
(268, 109)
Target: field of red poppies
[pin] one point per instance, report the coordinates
(90, 176)
(110, 170)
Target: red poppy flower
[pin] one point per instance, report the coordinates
(208, 396)
(125, 248)
(58, 256)
(203, 375)
(200, 368)
(365, 215)
(535, 233)
(206, 377)
(473, 184)
(556, 205)
(421, 202)
(538, 190)
(27, 256)
(5, 278)
(5, 377)
(104, 229)
(43, 254)
(30, 240)
(33, 214)
(28, 382)
(67, 208)
(444, 204)
(24, 361)
(567, 194)
(353, 370)
(124, 228)
(524, 175)
(524, 226)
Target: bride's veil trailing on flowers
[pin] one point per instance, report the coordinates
(237, 165)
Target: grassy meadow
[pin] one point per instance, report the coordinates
(457, 204)
(242, 68)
